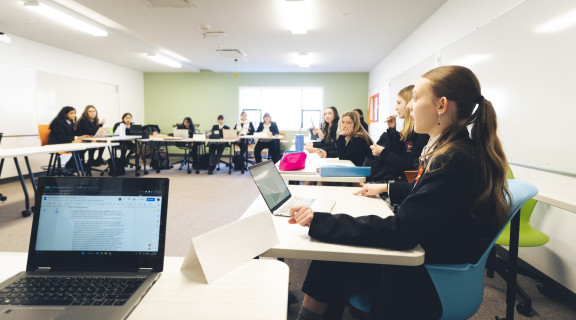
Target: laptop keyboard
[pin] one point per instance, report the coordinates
(60, 291)
(284, 210)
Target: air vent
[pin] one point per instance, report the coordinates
(170, 3)
(214, 34)
(231, 53)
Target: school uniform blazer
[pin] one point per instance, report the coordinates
(435, 212)
(61, 132)
(127, 129)
(323, 144)
(402, 155)
(217, 128)
(356, 150)
(191, 129)
(85, 126)
(273, 128)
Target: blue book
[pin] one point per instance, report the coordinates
(340, 171)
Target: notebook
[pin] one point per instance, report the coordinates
(276, 194)
(104, 231)
(229, 134)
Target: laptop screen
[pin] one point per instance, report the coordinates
(103, 222)
(270, 183)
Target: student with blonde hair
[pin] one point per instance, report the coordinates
(460, 193)
(397, 151)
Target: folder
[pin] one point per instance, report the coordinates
(339, 171)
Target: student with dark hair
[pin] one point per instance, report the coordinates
(187, 124)
(397, 151)
(62, 130)
(460, 193)
(353, 143)
(270, 128)
(362, 122)
(327, 133)
(127, 148)
(88, 124)
(216, 148)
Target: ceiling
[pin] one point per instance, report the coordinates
(343, 35)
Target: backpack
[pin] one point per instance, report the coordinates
(238, 162)
(119, 165)
(159, 160)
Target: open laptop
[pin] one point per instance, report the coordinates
(90, 232)
(276, 194)
(102, 132)
(181, 133)
(229, 134)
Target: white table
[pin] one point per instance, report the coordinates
(313, 161)
(51, 149)
(296, 243)
(119, 139)
(255, 290)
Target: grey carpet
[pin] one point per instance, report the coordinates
(200, 202)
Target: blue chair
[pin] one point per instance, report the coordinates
(460, 287)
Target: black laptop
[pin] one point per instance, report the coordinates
(96, 247)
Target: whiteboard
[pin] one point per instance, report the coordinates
(531, 80)
(17, 101)
(56, 91)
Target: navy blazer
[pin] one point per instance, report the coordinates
(61, 132)
(216, 127)
(273, 128)
(85, 126)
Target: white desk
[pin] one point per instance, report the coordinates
(256, 290)
(313, 161)
(295, 242)
(52, 149)
(119, 139)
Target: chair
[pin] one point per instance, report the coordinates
(529, 237)
(44, 134)
(460, 287)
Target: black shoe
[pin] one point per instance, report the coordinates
(98, 162)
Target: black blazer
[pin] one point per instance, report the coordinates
(399, 156)
(356, 150)
(61, 132)
(85, 126)
(119, 123)
(329, 141)
(436, 212)
(191, 129)
(273, 128)
(217, 128)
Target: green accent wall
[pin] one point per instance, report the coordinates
(169, 97)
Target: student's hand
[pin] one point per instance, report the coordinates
(319, 133)
(309, 145)
(372, 189)
(310, 149)
(347, 131)
(301, 215)
(376, 149)
(322, 153)
(103, 121)
(391, 121)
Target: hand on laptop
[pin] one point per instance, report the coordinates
(301, 215)
(372, 189)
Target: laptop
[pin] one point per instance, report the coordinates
(90, 232)
(102, 132)
(229, 134)
(276, 194)
(136, 130)
(181, 133)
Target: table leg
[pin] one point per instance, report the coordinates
(26, 212)
(112, 161)
(78, 163)
(137, 155)
(231, 158)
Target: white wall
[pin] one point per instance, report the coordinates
(42, 58)
(455, 20)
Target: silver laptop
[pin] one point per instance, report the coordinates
(276, 193)
(181, 133)
(229, 134)
(88, 233)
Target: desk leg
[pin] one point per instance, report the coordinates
(137, 156)
(143, 147)
(230, 161)
(26, 212)
(112, 161)
(2, 197)
(32, 180)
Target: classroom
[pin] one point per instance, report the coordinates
(523, 61)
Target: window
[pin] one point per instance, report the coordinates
(292, 108)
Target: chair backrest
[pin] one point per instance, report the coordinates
(461, 287)
(43, 133)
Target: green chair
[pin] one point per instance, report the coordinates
(529, 237)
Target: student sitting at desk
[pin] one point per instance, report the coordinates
(244, 128)
(216, 148)
(362, 122)
(188, 125)
(88, 124)
(396, 152)
(269, 128)
(328, 132)
(62, 130)
(453, 209)
(353, 143)
(127, 148)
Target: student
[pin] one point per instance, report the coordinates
(327, 133)
(397, 151)
(270, 128)
(62, 130)
(127, 148)
(216, 148)
(361, 114)
(453, 209)
(353, 143)
(243, 127)
(88, 124)
(189, 125)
